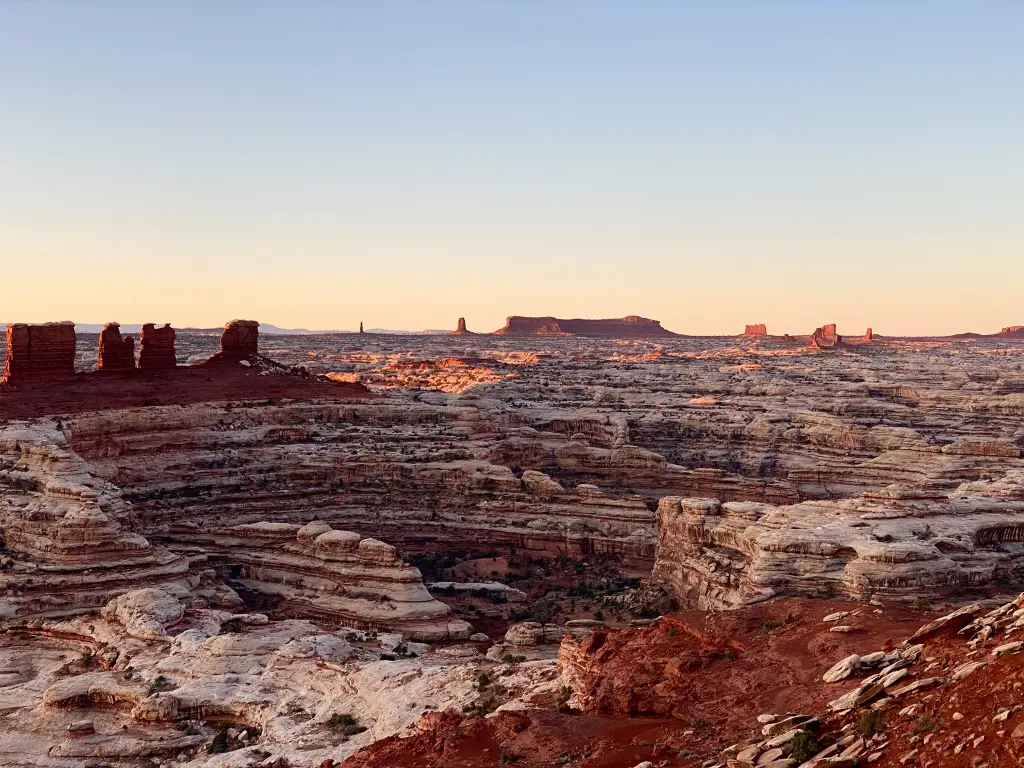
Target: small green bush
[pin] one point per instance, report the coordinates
(871, 722)
(925, 724)
(803, 745)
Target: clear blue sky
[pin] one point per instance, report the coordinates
(709, 164)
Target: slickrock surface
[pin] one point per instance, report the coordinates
(156, 348)
(630, 327)
(159, 677)
(39, 353)
(116, 352)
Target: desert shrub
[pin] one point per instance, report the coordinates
(871, 722)
(346, 723)
(231, 627)
(925, 724)
(219, 744)
(803, 746)
(768, 626)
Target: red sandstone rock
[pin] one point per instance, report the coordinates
(825, 337)
(240, 339)
(868, 336)
(156, 348)
(38, 353)
(756, 330)
(116, 352)
(1012, 330)
(461, 329)
(629, 327)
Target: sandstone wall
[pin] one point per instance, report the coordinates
(37, 353)
(759, 329)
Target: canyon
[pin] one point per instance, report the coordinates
(268, 543)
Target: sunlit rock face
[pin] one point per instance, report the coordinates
(629, 327)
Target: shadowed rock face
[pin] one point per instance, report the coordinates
(116, 352)
(240, 339)
(156, 351)
(630, 327)
(39, 353)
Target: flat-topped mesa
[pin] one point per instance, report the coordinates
(629, 327)
(825, 337)
(759, 329)
(240, 339)
(156, 348)
(1012, 330)
(38, 353)
(116, 352)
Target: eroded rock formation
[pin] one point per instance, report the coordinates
(630, 327)
(461, 330)
(240, 340)
(894, 542)
(39, 353)
(156, 348)
(756, 330)
(116, 352)
(338, 576)
(67, 532)
(825, 337)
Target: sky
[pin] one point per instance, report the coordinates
(708, 164)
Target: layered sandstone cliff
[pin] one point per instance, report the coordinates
(895, 542)
(629, 327)
(65, 532)
(314, 571)
(756, 330)
(39, 353)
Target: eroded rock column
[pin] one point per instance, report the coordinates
(116, 352)
(156, 348)
(240, 339)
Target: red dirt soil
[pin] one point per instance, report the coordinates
(701, 679)
(182, 386)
